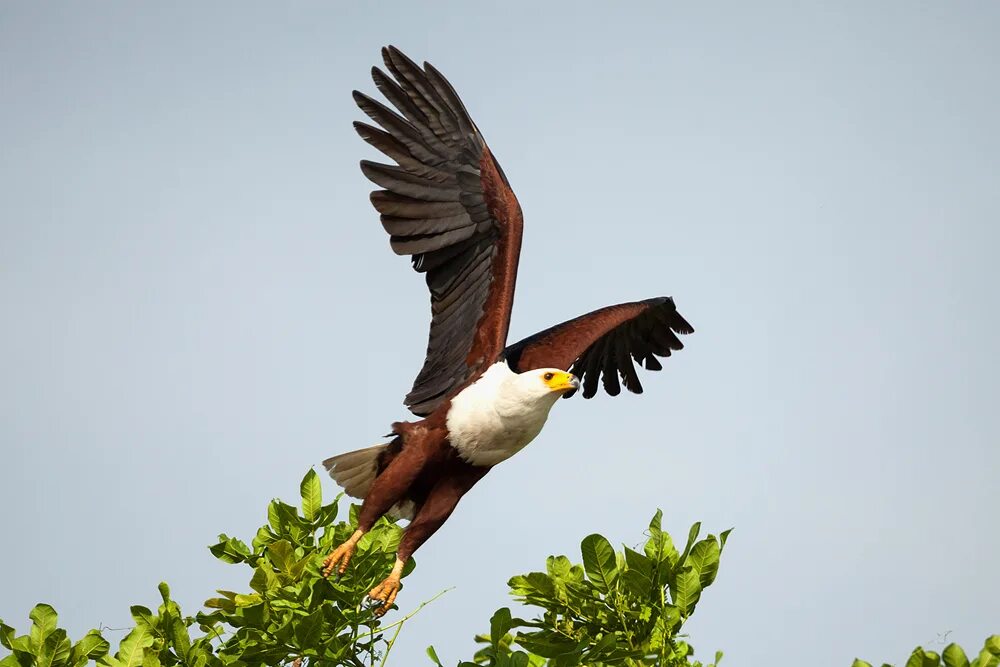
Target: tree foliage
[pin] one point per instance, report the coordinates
(619, 607)
(615, 607)
(952, 656)
(289, 614)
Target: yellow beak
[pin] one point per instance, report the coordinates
(563, 382)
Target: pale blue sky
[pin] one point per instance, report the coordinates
(198, 302)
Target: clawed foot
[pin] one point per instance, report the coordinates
(339, 559)
(385, 593)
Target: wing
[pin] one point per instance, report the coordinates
(604, 343)
(448, 205)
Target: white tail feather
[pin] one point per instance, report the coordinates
(355, 471)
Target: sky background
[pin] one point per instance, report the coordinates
(198, 302)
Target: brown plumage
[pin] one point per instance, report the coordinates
(447, 203)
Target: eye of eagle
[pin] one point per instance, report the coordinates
(548, 376)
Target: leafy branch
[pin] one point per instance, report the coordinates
(291, 614)
(617, 608)
(622, 607)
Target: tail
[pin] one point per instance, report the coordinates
(355, 471)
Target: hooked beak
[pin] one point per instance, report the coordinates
(566, 382)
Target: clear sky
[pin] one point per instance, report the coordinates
(198, 302)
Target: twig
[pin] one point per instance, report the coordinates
(101, 628)
(413, 613)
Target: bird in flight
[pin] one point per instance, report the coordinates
(448, 205)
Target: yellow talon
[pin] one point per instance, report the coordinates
(340, 558)
(386, 591)
(386, 594)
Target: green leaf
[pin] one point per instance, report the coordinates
(686, 589)
(264, 536)
(220, 603)
(281, 554)
(44, 621)
(432, 654)
(692, 536)
(132, 648)
(719, 654)
(636, 561)
(723, 536)
(308, 630)
(518, 659)
(56, 650)
(599, 562)
(180, 638)
(532, 584)
(6, 635)
(312, 494)
(230, 550)
(143, 616)
(284, 518)
(559, 567)
(499, 625)
(989, 656)
(263, 580)
(327, 514)
(23, 644)
(602, 648)
(638, 576)
(704, 558)
(986, 659)
(922, 658)
(548, 644)
(656, 523)
(247, 600)
(253, 616)
(954, 656)
(860, 663)
(660, 546)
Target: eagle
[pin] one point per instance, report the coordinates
(448, 205)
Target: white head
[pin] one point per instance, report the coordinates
(498, 415)
(535, 389)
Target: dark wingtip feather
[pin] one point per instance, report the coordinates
(676, 320)
(682, 326)
(397, 56)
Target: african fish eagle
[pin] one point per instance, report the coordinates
(447, 203)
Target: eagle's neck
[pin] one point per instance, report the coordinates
(496, 417)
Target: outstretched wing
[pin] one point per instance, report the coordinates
(604, 343)
(448, 205)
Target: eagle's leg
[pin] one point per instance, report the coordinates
(388, 488)
(432, 513)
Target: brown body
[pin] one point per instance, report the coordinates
(448, 204)
(419, 466)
